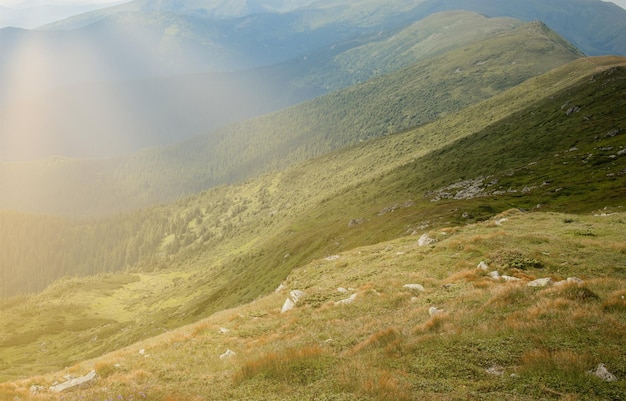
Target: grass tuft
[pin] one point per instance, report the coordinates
(574, 292)
(386, 386)
(292, 365)
(382, 338)
(616, 302)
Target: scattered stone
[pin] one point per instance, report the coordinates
(342, 290)
(34, 389)
(500, 221)
(613, 133)
(495, 370)
(570, 280)
(602, 373)
(287, 306)
(355, 222)
(433, 310)
(224, 330)
(425, 240)
(416, 287)
(142, 352)
(332, 258)
(510, 279)
(280, 288)
(572, 110)
(74, 382)
(467, 189)
(540, 282)
(347, 300)
(483, 266)
(227, 354)
(494, 275)
(294, 297)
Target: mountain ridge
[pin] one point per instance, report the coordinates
(416, 95)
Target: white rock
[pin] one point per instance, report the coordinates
(288, 305)
(495, 370)
(34, 389)
(342, 290)
(483, 266)
(502, 220)
(540, 282)
(332, 258)
(280, 288)
(433, 310)
(296, 295)
(347, 300)
(74, 382)
(228, 354)
(142, 351)
(425, 240)
(574, 280)
(601, 372)
(416, 287)
(494, 275)
(224, 330)
(511, 279)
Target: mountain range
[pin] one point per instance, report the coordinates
(412, 96)
(127, 60)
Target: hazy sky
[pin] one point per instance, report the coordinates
(31, 3)
(21, 3)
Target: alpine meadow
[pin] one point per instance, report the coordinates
(314, 200)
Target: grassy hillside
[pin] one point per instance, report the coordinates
(419, 93)
(596, 27)
(495, 338)
(234, 244)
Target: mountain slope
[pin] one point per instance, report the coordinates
(230, 245)
(497, 338)
(595, 27)
(420, 93)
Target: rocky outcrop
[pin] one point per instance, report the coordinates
(425, 239)
(75, 382)
(540, 282)
(294, 297)
(347, 301)
(602, 373)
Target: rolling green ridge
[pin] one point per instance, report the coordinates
(419, 93)
(231, 245)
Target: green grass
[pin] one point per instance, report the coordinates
(384, 345)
